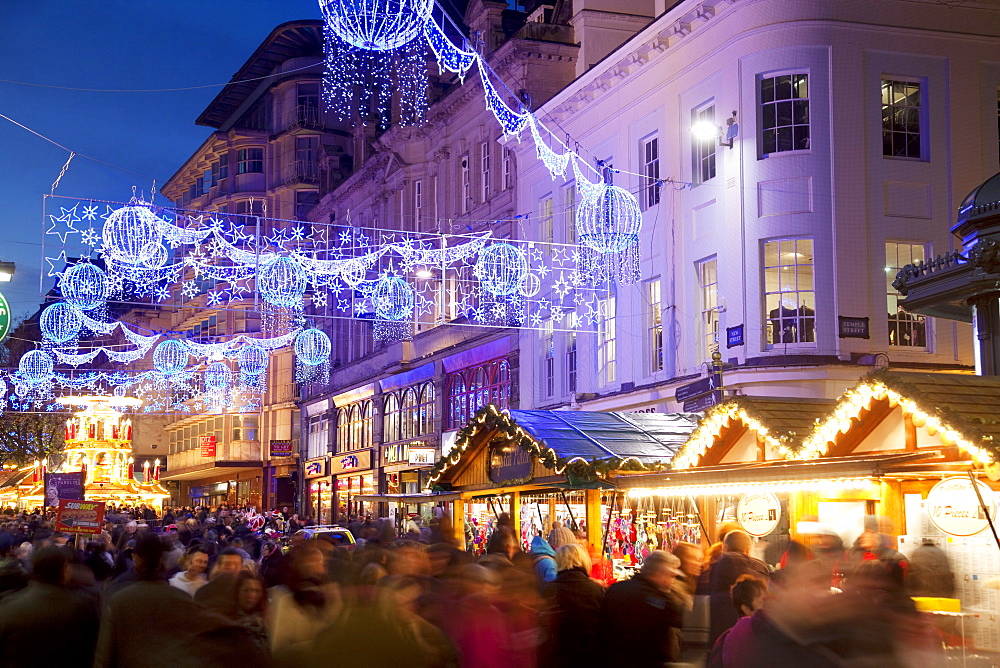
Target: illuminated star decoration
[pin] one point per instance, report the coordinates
(56, 264)
(67, 218)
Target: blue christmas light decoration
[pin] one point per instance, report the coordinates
(610, 221)
(85, 286)
(282, 282)
(376, 25)
(393, 298)
(170, 357)
(449, 56)
(130, 234)
(253, 360)
(218, 376)
(312, 347)
(501, 269)
(35, 367)
(60, 322)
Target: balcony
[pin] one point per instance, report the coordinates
(190, 465)
(300, 171)
(303, 116)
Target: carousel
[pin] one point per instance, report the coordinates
(99, 444)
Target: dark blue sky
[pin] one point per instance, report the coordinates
(116, 44)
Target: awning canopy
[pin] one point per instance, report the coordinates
(408, 498)
(211, 469)
(647, 437)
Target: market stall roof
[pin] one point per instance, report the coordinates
(648, 437)
(550, 442)
(11, 478)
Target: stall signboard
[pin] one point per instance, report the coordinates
(208, 446)
(60, 486)
(758, 513)
(281, 448)
(509, 464)
(76, 516)
(953, 506)
(422, 456)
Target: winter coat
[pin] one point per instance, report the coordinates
(543, 560)
(637, 619)
(45, 625)
(755, 642)
(572, 619)
(722, 575)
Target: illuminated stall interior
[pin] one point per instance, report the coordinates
(547, 466)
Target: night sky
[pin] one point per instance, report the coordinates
(109, 44)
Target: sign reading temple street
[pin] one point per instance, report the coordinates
(953, 506)
(758, 513)
(853, 328)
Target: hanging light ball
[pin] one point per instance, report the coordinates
(312, 347)
(218, 376)
(170, 357)
(253, 360)
(610, 220)
(281, 281)
(353, 272)
(393, 298)
(35, 367)
(85, 286)
(60, 322)
(130, 233)
(501, 269)
(155, 255)
(376, 25)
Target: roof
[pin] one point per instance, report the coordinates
(983, 201)
(969, 403)
(647, 437)
(789, 416)
(294, 39)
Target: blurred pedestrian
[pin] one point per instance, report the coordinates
(44, 624)
(722, 575)
(543, 560)
(572, 619)
(310, 602)
(250, 607)
(192, 578)
(219, 594)
(640, 614)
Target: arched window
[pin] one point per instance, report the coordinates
(456, 400)
(471, 389)
(480, 391)
(390, 421)
(408, 413)
(367, 424)
(426, 409)
(343, 430)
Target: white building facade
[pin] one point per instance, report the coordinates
(861, 126)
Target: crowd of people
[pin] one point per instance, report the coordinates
(200, 587)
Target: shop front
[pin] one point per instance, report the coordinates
(319, 490)
(353, 476)
(536, 468)
(405, 471)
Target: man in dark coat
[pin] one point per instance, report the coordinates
(45, 624)
(639, 615)
(724, 573)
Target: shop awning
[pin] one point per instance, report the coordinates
(211, 469)
(408, 498)
(647, 437)
(13, 478)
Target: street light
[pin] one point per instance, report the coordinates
(706, 130)
(6, 272)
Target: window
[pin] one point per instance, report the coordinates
(606, 340)
(390, 419)
(570, 199)
(485, 164)
(784, 112)
(651, 168)
(318, 439)
(508, 169)
(901, 119)
(305, 200)
(789, 293)
(354, 426)
(199, 186)
(250, 161)
(307, 95)
(305, 150)
(248, 207)
(708, 305)
(471, 389)
(418, 202)
(571, 323)
(224, 166)
(466, 192)
(905, 329)
(545, 219)
(703, 149)
(548, 358)
(654, 327)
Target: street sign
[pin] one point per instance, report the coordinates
(4, 317)
(698, 388)
(702, 403)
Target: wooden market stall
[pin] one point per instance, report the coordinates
(545, 466)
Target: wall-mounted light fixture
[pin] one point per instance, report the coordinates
(6, 272)
(706, 130)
